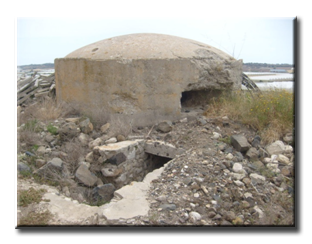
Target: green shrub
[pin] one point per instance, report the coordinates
(52, 129)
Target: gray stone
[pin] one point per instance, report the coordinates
(283, 159)
(120, 138)
(84, 139)
(238, 168)
(84, 176)
(252, 153)
(104, 128)
(53, 169)
(49, 138)
(164, 127)
(229, 216)
(257, 179)
(117, 159)
(94, 143)
(85, 125)
(21, 167)
(276, 147)
(111, 140)
(103, 193)
(194, 217)
(69, 131)
(110, 170)
(168, 206)
(288, 138)
(240, 143)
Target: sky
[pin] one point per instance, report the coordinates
(258, 40)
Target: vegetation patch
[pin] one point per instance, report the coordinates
(33, 218)
(26, 197)
(270, 113)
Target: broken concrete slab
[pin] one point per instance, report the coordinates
(162, 149)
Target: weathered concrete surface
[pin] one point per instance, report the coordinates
(143, 75)
(130, 200)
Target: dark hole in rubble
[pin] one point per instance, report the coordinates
(103, 194)
(197, 98)
(156, 162)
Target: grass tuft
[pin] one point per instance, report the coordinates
(271, 113)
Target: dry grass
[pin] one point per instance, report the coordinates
(36, 219)
(46, 109)
(75, 154)
(270, 113)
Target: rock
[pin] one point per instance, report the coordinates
(40, 162)
(21, 167)
(111, 140)
(276, 147)
(84, 176)
(117, 159)
(256, 165)
(240, 143)
(256, 141)
(237, 221)
(89, 157)
(85, 125)
(257, 179)
(216, 135)
(259, 211)
(83, 138)
(41, 150)
(110, 170)
(273, 167)
(69, 131)
(104, 128)
(94, 143)
(49, 138)
(202, 121)
(103, 193)
(183, 120)
(164, 127)
(252, 153)
(229, 156)
(285, 171)
(238, 183)
(283, 159)
(238, 168)
(194, 217)
(54, 169)
(120, 138)
(229, 216)
(288, 138)
(168, 206)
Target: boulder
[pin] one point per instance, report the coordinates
(103, 193)
(86, 126)
(252, 153)
(240, 143)
(276, 147)
(54, 169)
(21, 167)
(164, 127)
(84, 176)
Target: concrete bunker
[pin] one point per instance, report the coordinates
(143, 76)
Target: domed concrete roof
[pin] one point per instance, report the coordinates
(147, 46)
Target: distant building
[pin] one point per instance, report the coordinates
(278, 71)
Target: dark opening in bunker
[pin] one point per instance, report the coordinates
(197, 98)
(155, 162)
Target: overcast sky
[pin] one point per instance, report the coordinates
(263, 40)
